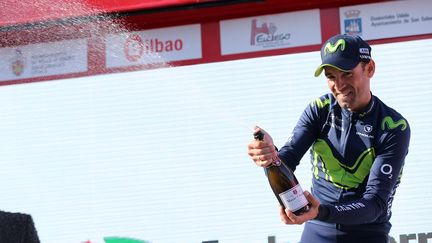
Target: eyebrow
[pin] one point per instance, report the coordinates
(345, 72)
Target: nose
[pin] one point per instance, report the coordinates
(339, 83)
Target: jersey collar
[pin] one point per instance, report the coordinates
(363, 112)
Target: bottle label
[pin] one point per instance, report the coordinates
(294, 199)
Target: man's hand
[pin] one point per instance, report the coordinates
(289, 218)
(262, 152)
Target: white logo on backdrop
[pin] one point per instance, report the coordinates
(266, 35)
(134, 48)
(352, 22)
(18, 62)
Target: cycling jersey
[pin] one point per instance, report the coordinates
(357, 160)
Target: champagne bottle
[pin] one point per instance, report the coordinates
(284, 184)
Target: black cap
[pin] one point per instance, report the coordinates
(343, 52)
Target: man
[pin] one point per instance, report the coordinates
(358, 147)
(17, 228)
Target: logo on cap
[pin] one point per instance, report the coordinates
(330, 48)
(364, 51)
(353, 49)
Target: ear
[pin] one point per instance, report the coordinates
(370, 69)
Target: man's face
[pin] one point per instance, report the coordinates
(351, 89)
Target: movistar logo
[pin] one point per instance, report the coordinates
(320, 103)
(330, 48)
(388, 122)
(339, 173)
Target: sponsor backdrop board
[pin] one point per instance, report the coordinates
(270, 32)
(43, 59)
(153, 46)
(160, 155)
(244, 37)
(387, 20)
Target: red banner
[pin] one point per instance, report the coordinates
(13, 12)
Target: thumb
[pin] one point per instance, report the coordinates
(256, 128)
(267, 137)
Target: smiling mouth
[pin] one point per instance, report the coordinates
(346, 94)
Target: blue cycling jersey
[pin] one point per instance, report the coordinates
(357, 160)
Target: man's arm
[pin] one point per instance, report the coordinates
(303, 135)
(31, 232)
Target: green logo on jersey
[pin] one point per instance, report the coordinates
(339, 174)
(388, 121)
(321, 104)
(330, 48)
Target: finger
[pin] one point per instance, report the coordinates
(254, 148)
(273, 151)
(313, 201)
(300, 219)
(260, 148)
(257, 160)
(262, 163)
(259, 129)
(283, 216)
(253, 145)
(251, 151)
(267, 151)
(265, 159)
(291, 216)
(257, 144)
(256, 128)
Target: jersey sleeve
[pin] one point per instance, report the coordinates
(383, 180)
(304, 133)
(32, 236)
